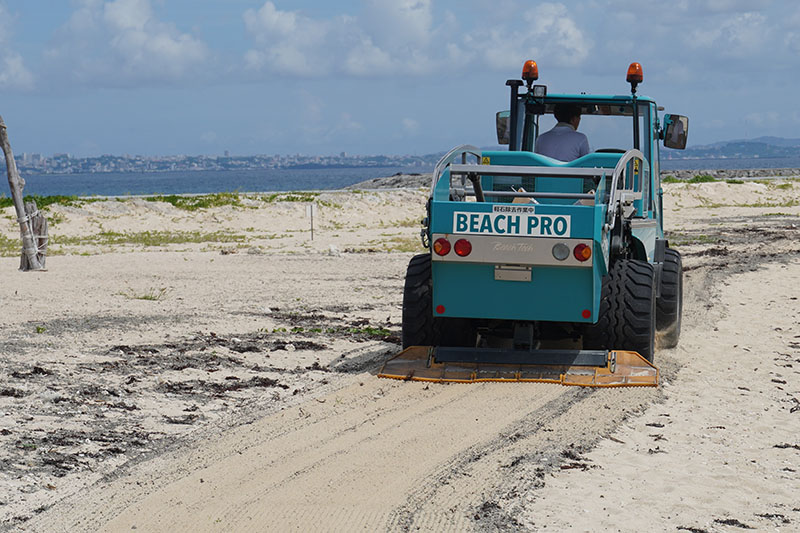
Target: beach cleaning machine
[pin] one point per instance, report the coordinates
(544, 270)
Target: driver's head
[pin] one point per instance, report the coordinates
(567, 113)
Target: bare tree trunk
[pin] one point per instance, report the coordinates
(29, 248)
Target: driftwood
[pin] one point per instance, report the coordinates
(32, 257)
(39, 227)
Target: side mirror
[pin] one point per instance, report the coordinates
(676, 131)
(501, 120)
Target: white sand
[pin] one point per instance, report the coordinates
(128, 422)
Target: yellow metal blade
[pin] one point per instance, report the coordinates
(415, 363)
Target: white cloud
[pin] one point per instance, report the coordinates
(13, 72)
(547, 33)
(726, 6)
(410, 125)
(735, 36)
(128, 14)
(399, 25)
(288, 42)
(123, 42)
(366, 59)
(402, 37)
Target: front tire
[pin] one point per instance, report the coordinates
(627, 317)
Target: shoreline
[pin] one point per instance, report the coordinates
(400, 181)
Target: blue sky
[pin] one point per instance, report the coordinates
(92, 77)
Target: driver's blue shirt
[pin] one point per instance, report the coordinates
(562, 143)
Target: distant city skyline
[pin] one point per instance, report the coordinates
(149, 77)
(764, 148)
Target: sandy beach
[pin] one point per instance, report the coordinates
(212, 368)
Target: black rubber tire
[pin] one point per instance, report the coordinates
(669, 306)
(419, 327)
(418, 303)
(627, 317)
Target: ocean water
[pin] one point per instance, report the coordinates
(203, 181)
(212, 181)
(719, 164)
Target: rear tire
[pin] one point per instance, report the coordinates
(627, 317)
(669, 306)
(418, 303)
(420, 328)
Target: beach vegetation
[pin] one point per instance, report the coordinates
(10, 247)
(402, 244)
(670, 179)
(54, 219)
(769, 202)
(734, 181)
(702, 178)
(411, 222)
(146, 238)
(44, 201)
(290, 197)
(205, 201)
(369, 331)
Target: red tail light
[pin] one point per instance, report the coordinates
(441, 246)
(582, 252)
(463, 247)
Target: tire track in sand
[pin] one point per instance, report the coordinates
(349, 462)
(374, 455)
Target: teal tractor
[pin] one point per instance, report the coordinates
(544, 270)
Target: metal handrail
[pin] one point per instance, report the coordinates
(547, 172)
(449, 157)
(613, 200)
(514, 194)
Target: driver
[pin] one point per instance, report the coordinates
(564, 142)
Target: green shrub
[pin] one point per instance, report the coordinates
(703, 178)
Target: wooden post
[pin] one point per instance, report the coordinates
(30, 251)
(310, 210)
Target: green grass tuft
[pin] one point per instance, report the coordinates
(44, 201)
(290, 197)
(193, 203)
(147, 238)
(702, 178)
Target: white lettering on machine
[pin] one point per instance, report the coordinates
(523, 224)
